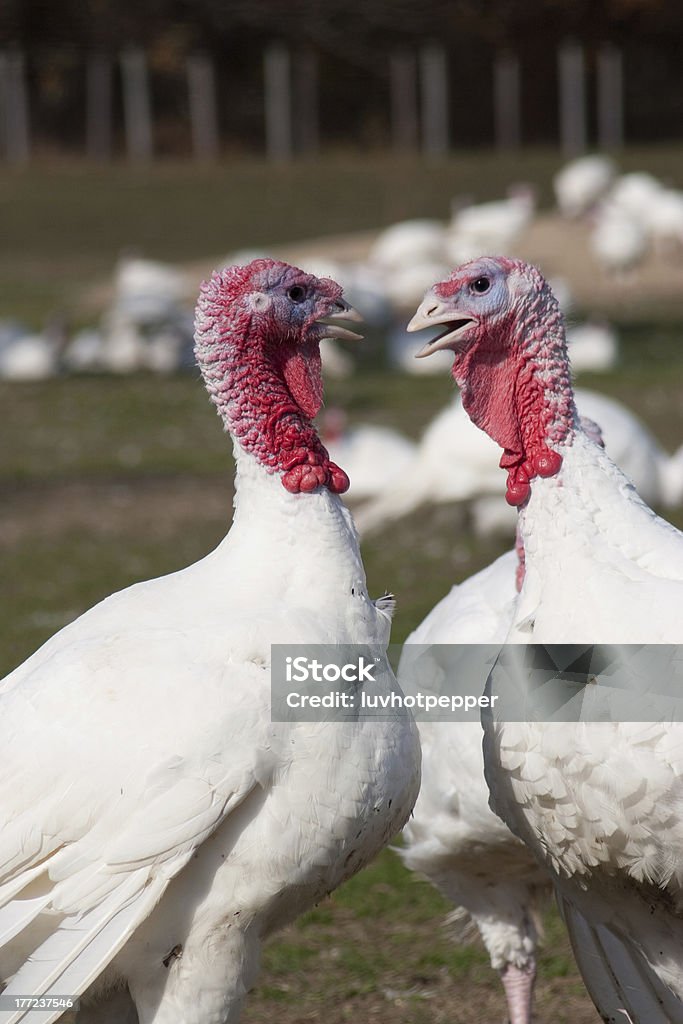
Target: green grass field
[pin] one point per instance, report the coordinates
(107, 481)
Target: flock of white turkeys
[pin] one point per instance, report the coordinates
(149, 874)
(630, 214)
(147, 325)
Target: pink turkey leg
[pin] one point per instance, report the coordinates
(519, 986)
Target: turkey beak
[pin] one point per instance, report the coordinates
(431, 312)
(341, 310)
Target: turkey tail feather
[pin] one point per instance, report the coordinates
(80, 948)
(622, 985)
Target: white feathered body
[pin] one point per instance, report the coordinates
(601, 803)
(453, 837)
(156, 789)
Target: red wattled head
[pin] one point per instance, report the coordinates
(277, 310)
(476, 305)
(257, 342)
(504, 327)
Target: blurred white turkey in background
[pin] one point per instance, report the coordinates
(373, 456)
(593, 346)
(146, 326)
(408, 243)
(456, 461)
(492, 227)
(618, 241)
(400, 349)
(581, 183)
(27, 355)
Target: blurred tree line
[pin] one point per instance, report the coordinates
(352, 41)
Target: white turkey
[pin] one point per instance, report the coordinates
(665, 222)
(146, 327)
(634, 194)
(408, 242)
(157, 825)
(86, 352)
(148, 291)
(656, 209)
(599, 802)
(452, 463)
(405, 285)
(490, 227)
(593, 346)
(453, 838)
(618, 240)
(373, 456)
(31, 355)
(128, 346)
(580, 184)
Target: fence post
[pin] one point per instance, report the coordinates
(572, 99)
(307, 133)
(98, 107)
(14, 116)
(5, 105)
(278, 102)
(404, 118)
(136, 104)
(506, 99)
(201, 87)
(434, 100)
(610, 98)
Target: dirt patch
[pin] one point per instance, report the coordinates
(338, 984)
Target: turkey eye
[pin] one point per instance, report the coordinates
(297, 293)
(481, 285)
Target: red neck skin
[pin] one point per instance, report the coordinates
(520, 571)
(516, 386)
(250, 380)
